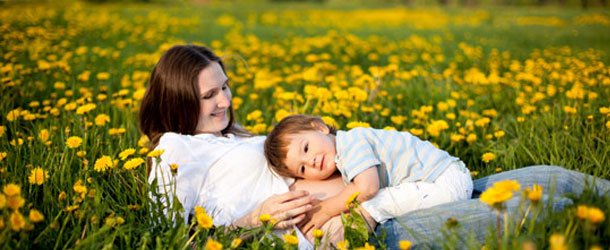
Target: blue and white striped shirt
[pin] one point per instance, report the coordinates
(399, 156)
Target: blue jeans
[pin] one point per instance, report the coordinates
(424, 228)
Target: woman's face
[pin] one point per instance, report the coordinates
(215, 97)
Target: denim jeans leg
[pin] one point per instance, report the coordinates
(561, 179)
(424, 228)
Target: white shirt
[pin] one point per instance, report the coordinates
(227, 176)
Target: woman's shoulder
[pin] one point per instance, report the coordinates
(172, 140)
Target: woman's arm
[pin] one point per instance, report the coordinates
(365, 183)
(288, 209)
(323, 190)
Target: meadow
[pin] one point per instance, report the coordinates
(501, 88)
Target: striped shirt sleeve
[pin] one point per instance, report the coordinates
(355, 152)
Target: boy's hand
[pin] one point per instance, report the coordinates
(316, 217)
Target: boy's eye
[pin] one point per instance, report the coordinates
(302, 169)
(306, 147)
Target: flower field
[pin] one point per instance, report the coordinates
(499, 88)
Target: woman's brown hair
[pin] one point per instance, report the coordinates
(171, 101)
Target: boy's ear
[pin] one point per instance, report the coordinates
(321, 127)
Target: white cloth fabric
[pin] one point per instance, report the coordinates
(452, 185)
(227, 176)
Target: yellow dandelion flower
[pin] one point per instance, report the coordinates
(15, 202)
(2, 130)
(291, 239)
(235, 243)
(595, 215)
(156, 153)
(36, 216)
(62, 196)
(126, 153)
(78, 187)
(456, 137)
(17, 221)
(120, 220)
(317, 233)
(264, 218)
(390, 128)
(143, 151)
(487, 157)
(71, 208)
(11, 189)
(330, 121)
(352, 198)
(254, 115)
(81, 153)
(133, 163)
(139, 94)
(143, 141)
(173, 166)
(356, 124)
(343, 245)
(569, 110)
(73, 141)
(13, 115)
(103, 76)
(133, 207)
(398, 119)
(85, 108)
(2, 201)
(535, 193)
(416, 131)
(404, 244)
(471, 138)
(435, 127)
(17, 142)
(103, 163)
(213, 245)
(494, 196)
(508, 185)
(38, 176)
(366, 246)
(43, 135)
(102, 119)
(116, 131)
(2, 155)
(557, 242)
(499, 134)
(203, 219)
(582, 212)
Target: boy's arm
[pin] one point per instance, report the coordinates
(366, 182)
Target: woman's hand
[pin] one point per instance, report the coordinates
(287, 209)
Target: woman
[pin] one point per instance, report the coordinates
(187, 112)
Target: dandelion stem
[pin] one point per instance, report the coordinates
(190, 240)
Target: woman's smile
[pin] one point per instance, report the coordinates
(220, 114)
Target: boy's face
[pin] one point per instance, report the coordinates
(311, 154)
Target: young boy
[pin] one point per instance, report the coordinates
(395, 172)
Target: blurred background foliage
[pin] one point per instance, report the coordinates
(350, 3)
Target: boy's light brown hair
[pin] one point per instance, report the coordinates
(276, 144)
